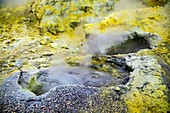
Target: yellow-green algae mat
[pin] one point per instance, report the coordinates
(152, 19)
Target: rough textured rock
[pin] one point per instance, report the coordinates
(146, 85)
(155, 2)
(112, 43)
(61, 99)
(116, 66)
(67, 98)
(59, 16)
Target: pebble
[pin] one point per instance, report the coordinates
(47, 54)
(117, 89)
(65, 46)
(33, 50)
(45, 40)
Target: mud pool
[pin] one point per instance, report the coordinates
(58, 76)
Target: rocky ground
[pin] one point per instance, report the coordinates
(128, 44)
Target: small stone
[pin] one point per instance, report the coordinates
(11, 65)
(54, 45)
(47, 54)
(46, 40)
(7, 41)
(64, 46)
(44, 65)
(40, 60)
(117, 88)
(4, 65)
(30, 58)
(33, 50)
(42, 42)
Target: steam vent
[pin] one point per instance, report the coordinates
(84, 56)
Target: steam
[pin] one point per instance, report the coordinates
(74, 75)
(63, 75)
(128, 4)
(12, 2)
(100, 43)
